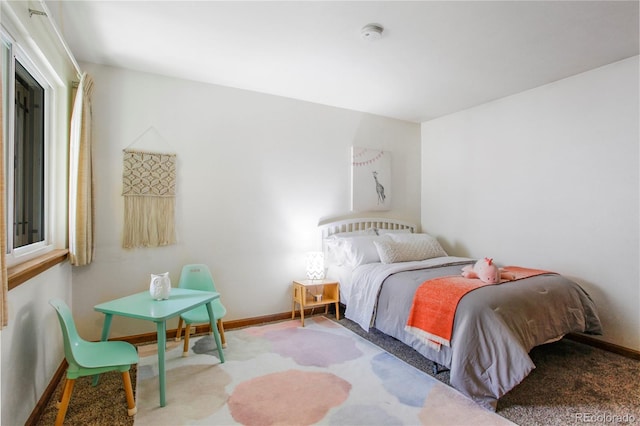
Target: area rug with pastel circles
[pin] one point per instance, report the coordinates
(286, 374)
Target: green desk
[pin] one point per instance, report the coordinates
(142, 306)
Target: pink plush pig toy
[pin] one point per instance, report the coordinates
(486, 271)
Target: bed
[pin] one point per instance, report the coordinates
(381, 263)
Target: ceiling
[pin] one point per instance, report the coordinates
(434, 57)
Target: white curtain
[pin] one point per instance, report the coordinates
(4, 313)
(81, 199)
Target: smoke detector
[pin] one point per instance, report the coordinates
(371, 32)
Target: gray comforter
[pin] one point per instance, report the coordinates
(495, 326)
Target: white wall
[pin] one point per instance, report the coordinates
(255, 175)
(32, 348)
(547, 178)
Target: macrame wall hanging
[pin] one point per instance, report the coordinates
(149, 190)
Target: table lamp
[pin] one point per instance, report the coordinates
(315, 265)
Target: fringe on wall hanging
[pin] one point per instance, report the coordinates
(149, 190)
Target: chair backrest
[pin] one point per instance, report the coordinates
(196, 277)
(70, 334)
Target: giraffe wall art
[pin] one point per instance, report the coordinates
(370, 179)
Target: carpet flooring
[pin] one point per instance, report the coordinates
(573, 383)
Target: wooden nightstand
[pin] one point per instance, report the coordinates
(304, 291)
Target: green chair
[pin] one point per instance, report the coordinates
(198, 277)
(91, 358)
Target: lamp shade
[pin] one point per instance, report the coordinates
(315, 265)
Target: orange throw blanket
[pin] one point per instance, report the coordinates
(436, 300)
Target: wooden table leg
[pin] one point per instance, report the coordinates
(302, 314)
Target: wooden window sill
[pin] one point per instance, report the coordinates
(17, 274)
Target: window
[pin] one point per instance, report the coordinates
(28, 160)
(25, 99)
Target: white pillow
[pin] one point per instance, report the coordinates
(362, 250)
(407, 238)
(334, 251)
(338, 247)
(408, 247)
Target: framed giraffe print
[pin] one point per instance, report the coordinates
(370, 179)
